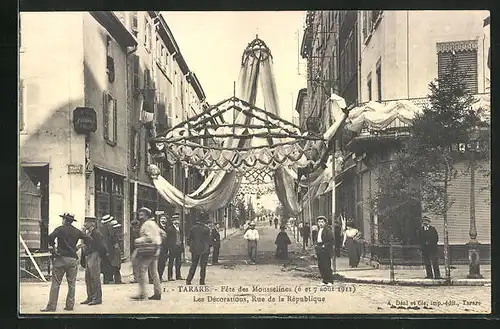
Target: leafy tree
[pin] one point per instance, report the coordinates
(420, 174)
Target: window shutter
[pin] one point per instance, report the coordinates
(21, 105)
(105, 114)
(467, 63)
(136, 75)
(115, 121)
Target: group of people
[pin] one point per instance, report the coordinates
(154, 244)
(100, 253)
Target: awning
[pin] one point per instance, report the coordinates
(109, 170)
(34, 164)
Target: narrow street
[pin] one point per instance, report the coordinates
(235, 287)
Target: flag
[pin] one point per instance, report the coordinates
(147, 106)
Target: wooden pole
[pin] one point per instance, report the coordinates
(32, 259)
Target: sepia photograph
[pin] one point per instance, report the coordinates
(254, 162)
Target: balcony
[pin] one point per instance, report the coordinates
(398, 130)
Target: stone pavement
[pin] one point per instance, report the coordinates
(366, 273)
(270, 287)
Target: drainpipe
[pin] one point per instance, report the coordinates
(126, 228)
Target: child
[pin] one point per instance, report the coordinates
(282, 242)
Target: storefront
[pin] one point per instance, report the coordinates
(109, 197)
(34, 205)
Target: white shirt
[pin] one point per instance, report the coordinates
(252, 235)
(150, 232)
(320, 232)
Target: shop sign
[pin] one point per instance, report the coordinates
(75, 169)
(84, 120)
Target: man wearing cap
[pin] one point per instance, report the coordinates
(64, 261)
(252, 237)
(199, 242)
(428, 238)
(111, 265)
(175, 244)
(324, 250)
(93, 254)
(146, 254)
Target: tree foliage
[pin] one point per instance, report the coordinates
(417, 174)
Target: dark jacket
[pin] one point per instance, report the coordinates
(67, 238)
(215, 235)
(327, 241)
(428, 239)
(171, 240)
(199, 239)
(96, 244)
(306, 231)
(282, 239)
(111, 240)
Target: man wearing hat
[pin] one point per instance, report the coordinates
(146, 254)
(199, 242)
(324, 250)
(111, 265)
(252, 237)
(164, 224)
(175, 244)
(93, 254)
(428, 238)
(64, 261)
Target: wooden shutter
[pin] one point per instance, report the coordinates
(105, 115)
(21, 104)
(135, 84)
(115, 121)
(467, 63)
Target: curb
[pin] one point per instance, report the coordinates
(415, 282)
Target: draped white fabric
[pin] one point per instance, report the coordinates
(220, 186)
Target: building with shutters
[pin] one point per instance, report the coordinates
(82, 64)
(384, 56)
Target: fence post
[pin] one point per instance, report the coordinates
(391, 260)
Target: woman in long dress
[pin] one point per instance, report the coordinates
(282, 242)
(352, 241)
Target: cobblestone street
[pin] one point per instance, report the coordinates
(294, 292)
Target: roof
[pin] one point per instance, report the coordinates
(193, 80)
(300, 99)
(115, 27)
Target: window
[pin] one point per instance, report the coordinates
(182, 93)
(147, 156)
(110, 62)
(136, 84)
(369, 86)
(110, 119)
(21, 105)
(135, 23)
(379, 81)
(466, 54)
(147, 34)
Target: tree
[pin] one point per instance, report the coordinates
(420, 174)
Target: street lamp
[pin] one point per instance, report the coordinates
(472, 148)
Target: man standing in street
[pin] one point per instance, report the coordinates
(275, 222)
(146, 254)
(93, 254)
(162, 259)
(111, 265)
(252, 237)
(175, 243)
(64, 261)
(314, 233)
(216, 242)
(428, 238)
(324, 251)
(306, 233)
(199, 242)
